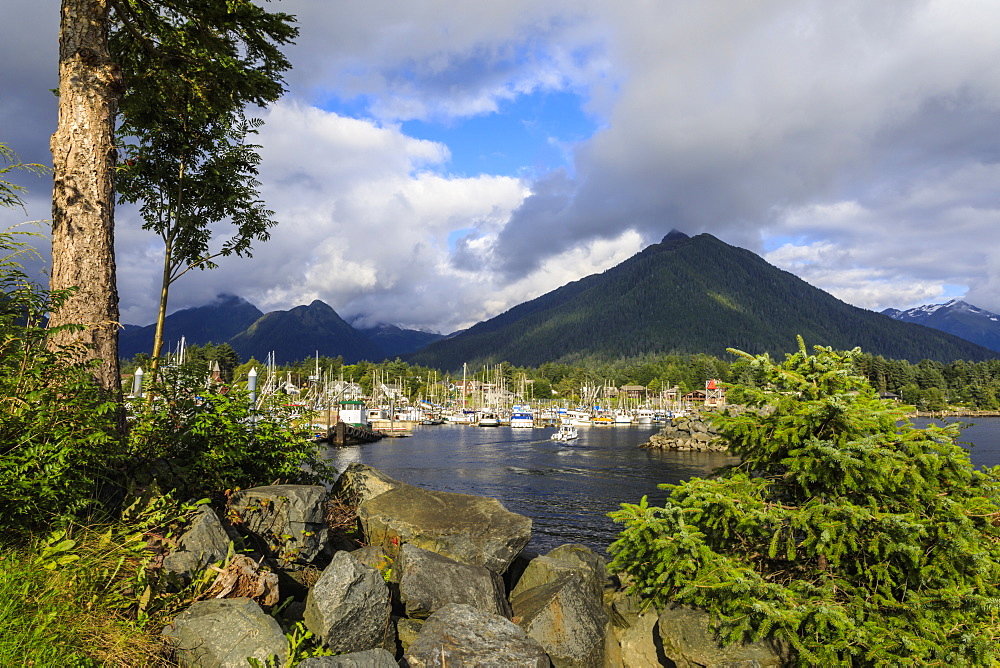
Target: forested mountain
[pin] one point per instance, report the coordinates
(217, 322)
(292, 335)
(687, 295)
(955, 317)
(300, 333)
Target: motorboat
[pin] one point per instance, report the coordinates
(461, 417)
(566, 432)
(489, 420)
(623, 417)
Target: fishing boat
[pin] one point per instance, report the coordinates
(645, 416)
(566, 432)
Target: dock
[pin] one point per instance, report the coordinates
(394, 428)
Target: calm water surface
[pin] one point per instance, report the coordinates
(567, 490)
(982, 437)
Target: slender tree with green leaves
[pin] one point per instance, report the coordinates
(845, 532)
(187, 161)
(188, 181)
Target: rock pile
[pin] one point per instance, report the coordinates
(689, 432)
(443, 581)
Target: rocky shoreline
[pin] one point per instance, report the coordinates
(419, 578)
(687, 433)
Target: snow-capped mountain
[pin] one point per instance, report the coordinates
(955, 317)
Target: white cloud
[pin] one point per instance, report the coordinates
(855, 139)
(363, 224)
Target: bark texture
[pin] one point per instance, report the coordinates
(83, 197)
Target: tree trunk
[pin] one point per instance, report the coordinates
(161, 313)
(83, 204)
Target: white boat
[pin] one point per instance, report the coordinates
(567, 432)
(408, 414)
(521, 416)
(623, 417)
(461, 417)
(489, 420)
(354, 413)
(578, 418)
(645, 416)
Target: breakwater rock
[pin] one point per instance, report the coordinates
(688, 432)
(423, 579)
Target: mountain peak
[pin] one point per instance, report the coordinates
(955, 317)
(685, 296)
(674, 235)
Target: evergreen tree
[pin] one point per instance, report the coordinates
(845, 533)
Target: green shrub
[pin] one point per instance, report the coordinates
(201, 439)
(845, 532)
(57, 429)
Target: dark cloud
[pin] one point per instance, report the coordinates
(852, 142)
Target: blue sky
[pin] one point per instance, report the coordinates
(438, 162)
(526, 137)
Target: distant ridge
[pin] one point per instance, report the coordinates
(394, 341)
(686, 295)
(300, 333)
(216, 322)
(955, 317)
(292, 335)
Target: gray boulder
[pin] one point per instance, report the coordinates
(688, 433)
(348, 607)
(566, 620)
(371, 658)
(288, 519)
(429, 581)
(408, 629)
(360, 482)
(469, 529)
(635, 631)
(569, 559)
(689, 642)
(460, 635)
(204, 542)
(224, 633)
(373, 556)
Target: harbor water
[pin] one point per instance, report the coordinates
(567, 489)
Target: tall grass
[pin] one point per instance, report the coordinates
(63, 602)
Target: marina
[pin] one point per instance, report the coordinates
(567, 488)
